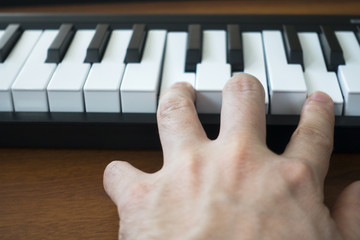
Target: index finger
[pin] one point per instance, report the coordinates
(178, 122)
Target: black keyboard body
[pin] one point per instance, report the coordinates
(139, 131)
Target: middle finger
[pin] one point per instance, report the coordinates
(243, 110)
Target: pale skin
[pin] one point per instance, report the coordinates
(234, 187)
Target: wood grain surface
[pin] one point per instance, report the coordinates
(58, 193)
(205, 6)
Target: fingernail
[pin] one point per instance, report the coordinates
(320, 96)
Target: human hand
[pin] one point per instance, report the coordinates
(234, 187)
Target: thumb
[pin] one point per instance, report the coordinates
(118, 177)
(346, 212)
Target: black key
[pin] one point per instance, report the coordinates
(234, 48)
(97, 46)
(194, 47)
(137, 43)
(331, 48)
(293, 48)
(59, 46)
(8, 40)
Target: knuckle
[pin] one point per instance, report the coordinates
(242, 150)
(191, 171)
(169, 104)
(193, 165)
(297, 173)
(241, 157)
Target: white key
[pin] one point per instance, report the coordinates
(102, 87)
(349, 74)
(139, 88)
(29, 88)
(65, 88)
(254, 62)
(13, 64)
(1, 33)
(212, 73)
(287, 87)
(316, 75)
(174, 62)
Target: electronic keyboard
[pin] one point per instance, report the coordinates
(93, 81)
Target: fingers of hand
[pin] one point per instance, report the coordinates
(177, 118)
(346, 212)
(118, 177)
(313, 139)
(243, 109)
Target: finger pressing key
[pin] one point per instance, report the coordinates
(178, 122)
(312, 141)
(243, 109)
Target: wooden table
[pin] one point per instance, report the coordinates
(58, 193)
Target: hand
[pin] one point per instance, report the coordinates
(234, 187)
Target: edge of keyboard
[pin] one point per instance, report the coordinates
(139, 131)
(179, 21)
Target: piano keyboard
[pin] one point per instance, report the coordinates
(95, 80)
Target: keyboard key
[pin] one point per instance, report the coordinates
(9, 38)
(59, 46)
(29, 88)
(254, 62)
(316, 75)
(98, 44)
(194, 47)
(331, 48)
(287, 87)
(139, 88)
(65, 88)
(102, 87)
(174, 62)
(292, 45)
(212, 73)
(136, 46)
(234, 48)
(13, 64)
(349, 73)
